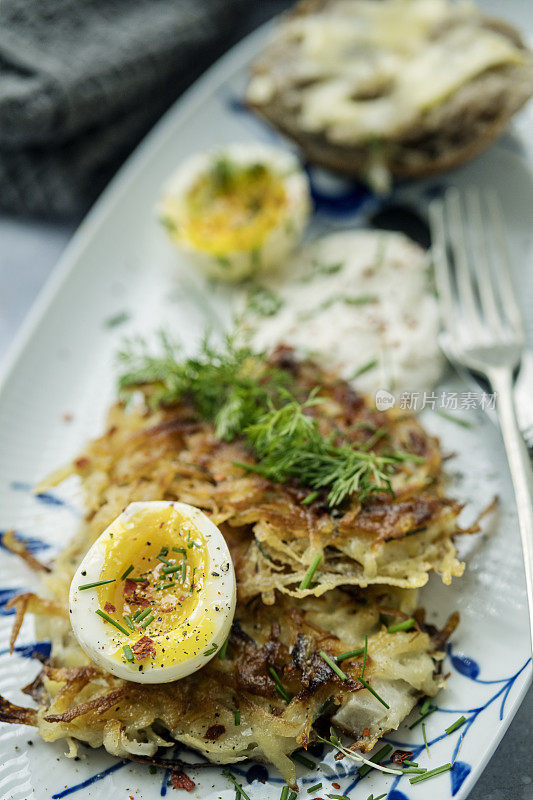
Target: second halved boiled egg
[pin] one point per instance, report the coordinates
(238, 210)
(164, 597)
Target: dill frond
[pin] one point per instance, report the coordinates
(242, 395)
(230, 386)
(288, 444)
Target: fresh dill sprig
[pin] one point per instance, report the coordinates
(231, 386)
(242, 395)
(288, 444)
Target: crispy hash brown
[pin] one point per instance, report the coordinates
(80, 702)
(394, 539)
(273, 672)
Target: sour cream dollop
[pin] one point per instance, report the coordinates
(358, 301)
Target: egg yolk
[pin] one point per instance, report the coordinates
(233, 207)
(159, 561)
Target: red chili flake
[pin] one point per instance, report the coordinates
(131, 589)
(366, 732)
(81, 463)
(110, 608)
(336, 785)
(399, 756)
(167, 609)
(214, 732)
(143, 648)
(447, 676)
(182, 781)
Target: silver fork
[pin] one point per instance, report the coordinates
(483, 329)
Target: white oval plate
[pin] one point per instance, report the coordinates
(119, 276)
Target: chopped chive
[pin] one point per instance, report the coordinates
(129, 623)
(365, 652)
(332, 665)
(338, 796)
(147, 621)
(163, 551)
(349, 654)
(305, 762)
(293, 795)
(425, 739)
(128, 652)
(168, 585)
(410, 763)
(373, 691)
(413, 770)
(312, 568)
(179, 550)
(96, 583)
(380, 756)
(309, 499)
(379, 797)
(170, 570)
(109, 619)
(401, 626)
(281, 690)
(456, 724)
(238, 786)
(222, 651)
(143, 614)
(464, 423)
(191, 587)
(431, 774)
(184, 568)
(422, 717)
(284, 793)
(237, 716)
(163, 559)
(126, 573)
(211, 650)
(364, 368)
(425, 705)
(314, 788)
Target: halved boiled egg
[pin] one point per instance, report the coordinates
(237, 211)
(154, 598)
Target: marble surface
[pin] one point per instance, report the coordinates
(28, 253)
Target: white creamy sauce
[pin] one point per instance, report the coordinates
(359, 302)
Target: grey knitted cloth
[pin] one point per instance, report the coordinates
(81, 81)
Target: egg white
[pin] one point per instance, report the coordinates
(100, 640)
(277, 243)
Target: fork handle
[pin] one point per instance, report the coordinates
(520, 468)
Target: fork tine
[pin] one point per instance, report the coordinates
(459, 245)
(480, 259)
(443, 277)
(503, 272)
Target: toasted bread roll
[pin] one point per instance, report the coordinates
(395, 88)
